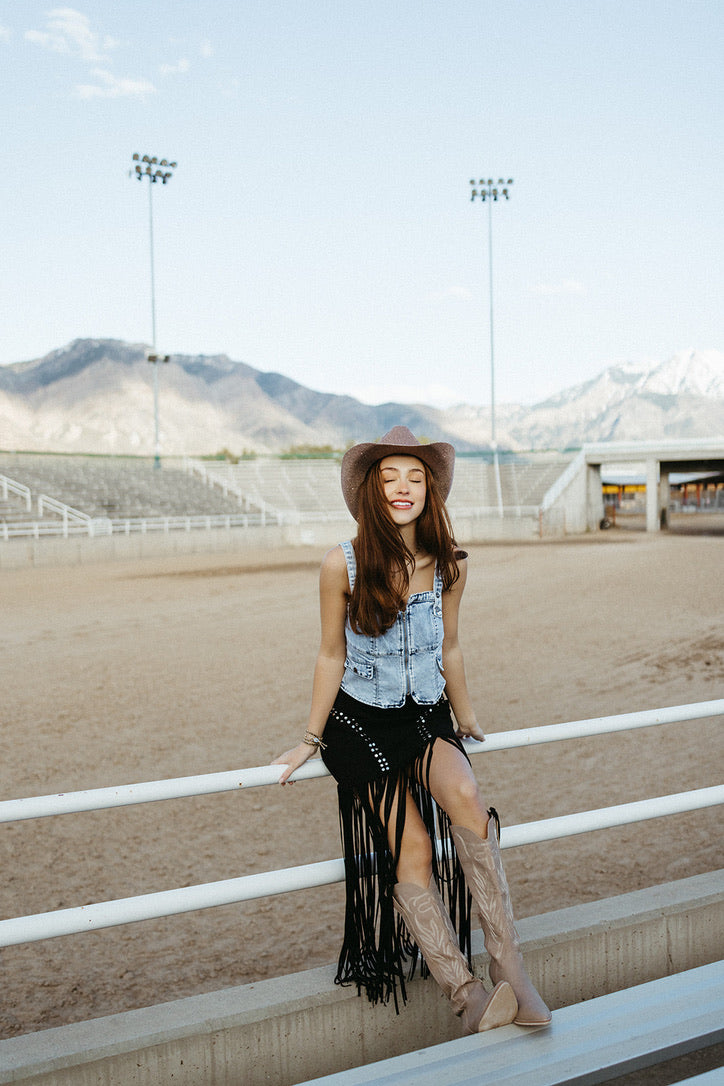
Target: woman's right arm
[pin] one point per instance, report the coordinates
(329, 667)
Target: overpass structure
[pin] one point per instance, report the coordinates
(578, 494)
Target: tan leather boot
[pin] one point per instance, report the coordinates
(432, 929)
(481, 861)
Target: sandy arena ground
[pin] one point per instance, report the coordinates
(121, 673)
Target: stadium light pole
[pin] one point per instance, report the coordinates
(492, 191)
(155, 171)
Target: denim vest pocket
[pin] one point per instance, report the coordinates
(360, 663)
(428, 682)
(425, 620)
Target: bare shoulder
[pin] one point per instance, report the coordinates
(461, 557)
(334, 569)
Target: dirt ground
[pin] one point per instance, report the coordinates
(120, 673)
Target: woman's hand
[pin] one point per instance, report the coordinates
(293, 759)
(471, 731)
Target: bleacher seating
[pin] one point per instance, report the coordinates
(312, 486)
(288, 486)
(523, 481)
(113, 487)
(14, 510)
(590, 1042)
(118, 488)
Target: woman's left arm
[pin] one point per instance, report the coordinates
(456, 686)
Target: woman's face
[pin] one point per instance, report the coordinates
(404, 487)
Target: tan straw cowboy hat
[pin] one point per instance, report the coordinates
(439, 457)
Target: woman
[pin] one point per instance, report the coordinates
(388, 673)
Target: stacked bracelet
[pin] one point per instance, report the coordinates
(313, 740)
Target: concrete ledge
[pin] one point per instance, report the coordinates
(293, 1028)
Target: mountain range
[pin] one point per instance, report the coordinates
(95, 396)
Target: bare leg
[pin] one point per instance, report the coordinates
(454, 788)
(414, 861)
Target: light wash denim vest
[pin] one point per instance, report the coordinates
(405, 660)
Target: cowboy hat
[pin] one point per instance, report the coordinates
(399, 441)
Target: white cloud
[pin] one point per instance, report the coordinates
(68, 31)
(108, 85)
(206, 49)
(180, 68)
(5, 33)
(565, 286)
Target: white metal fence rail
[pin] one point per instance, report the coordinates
(101, 526)
(248, 887)
(11, 486)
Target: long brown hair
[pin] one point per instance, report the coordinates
(383, 578)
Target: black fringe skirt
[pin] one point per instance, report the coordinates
(376, 755)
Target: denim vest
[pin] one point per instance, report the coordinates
(405, 660)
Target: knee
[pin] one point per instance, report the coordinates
(463, 801)
(465, 792)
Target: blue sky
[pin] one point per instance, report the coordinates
(319, 222)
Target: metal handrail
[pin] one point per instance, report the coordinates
(14, 487)
(68, 512)
(127, 525)
(17, 810)
(248, 887)
(107, 914)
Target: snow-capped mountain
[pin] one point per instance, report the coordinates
(95, 396)
(629, 401)
(688, 373)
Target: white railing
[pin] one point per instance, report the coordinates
(93, 525)
(191, 523)
(221, 475)
(248, 887)
(126, 526)
(67, 512)
(36, 529)
(13, 487)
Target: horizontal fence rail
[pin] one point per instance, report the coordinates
(108, 914)
(16, 810)
(249, 887)
(100, 526)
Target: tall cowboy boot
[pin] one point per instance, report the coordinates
(431, 927)
(480, 860)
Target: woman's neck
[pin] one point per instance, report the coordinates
(409, 537)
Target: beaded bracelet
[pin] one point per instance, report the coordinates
(313, 740)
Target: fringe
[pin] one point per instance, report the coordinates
(378, 954)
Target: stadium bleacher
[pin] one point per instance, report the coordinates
(119, 488)
(309, 486)
(113, 487)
